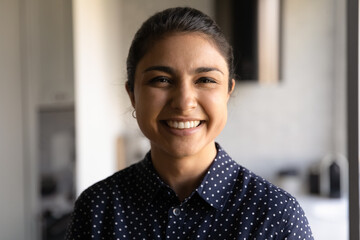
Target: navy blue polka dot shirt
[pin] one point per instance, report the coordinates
(230, 203)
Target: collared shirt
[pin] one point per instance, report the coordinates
(230, 203)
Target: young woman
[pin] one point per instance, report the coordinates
(180, 78)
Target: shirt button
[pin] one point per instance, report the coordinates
(176, 211)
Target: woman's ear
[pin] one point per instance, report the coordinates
(131, 94)
(232, 86)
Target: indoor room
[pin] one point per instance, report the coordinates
(67, 121)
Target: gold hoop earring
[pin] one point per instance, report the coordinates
(133, 114)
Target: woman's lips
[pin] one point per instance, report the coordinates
(183, 124)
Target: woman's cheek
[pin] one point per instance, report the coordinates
(215, 100)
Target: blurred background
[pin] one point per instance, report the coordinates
(65, 119)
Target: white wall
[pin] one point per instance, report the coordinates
(97, 76)
(12, 197)
(293, 123)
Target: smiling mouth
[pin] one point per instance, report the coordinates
(183, 124)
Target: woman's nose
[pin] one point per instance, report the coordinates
(184, 98)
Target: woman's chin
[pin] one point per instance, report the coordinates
(182, 148)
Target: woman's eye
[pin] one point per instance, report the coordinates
(205, 80)
(160, 80)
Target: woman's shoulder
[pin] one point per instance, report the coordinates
(117, 182)
(248, 183)
(275, 206)
(256, 185)
(267, 196)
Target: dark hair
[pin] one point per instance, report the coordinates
(172, 20)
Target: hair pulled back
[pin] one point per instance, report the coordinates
(173, 20)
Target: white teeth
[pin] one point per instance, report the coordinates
(183, 125)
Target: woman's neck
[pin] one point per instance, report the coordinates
(183, 174)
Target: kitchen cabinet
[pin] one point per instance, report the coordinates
(56, 80)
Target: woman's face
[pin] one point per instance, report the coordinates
(181, 94)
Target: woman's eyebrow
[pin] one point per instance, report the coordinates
(207, 69)
(170, 70)
(160, 68)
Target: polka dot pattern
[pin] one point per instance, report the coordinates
(230, 203)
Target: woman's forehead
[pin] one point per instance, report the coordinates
(184, 50)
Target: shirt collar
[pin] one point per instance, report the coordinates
(219, 181)
(215, 187)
